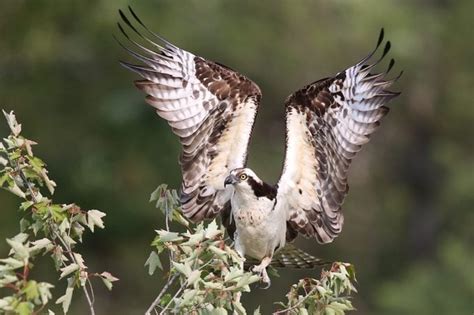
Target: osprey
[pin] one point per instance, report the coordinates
(212, 108)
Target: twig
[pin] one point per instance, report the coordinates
(89, 300)
(287, 310)
(174, 297)
(92, 289)
(17, 167)
(158, 298)
(71, 256)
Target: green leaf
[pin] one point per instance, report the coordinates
(213, 285)
(57, 212)
(20, 250)
(13, 188)
(3, 178)
(194, 276)
(329, 311)
(30, 289)
(4, 302)
(44, 290)
(24, 308)
(239, 308)
(36, 226)
(65, 300)
(194, 239)
(64, 226)
(166, 236)
(24, 224)
(78, 230)
(219, 252)
(108, 279)
(219, 311)
(41, 244)
(15, 127)
(36, 163)
(68, 270)
(156, 194)
(246, 279)
(185, 269)
(153, 262)
(8, 279)
(187, 297)
(94, 218)
(212, 230)
(107, 283)
(13, 263)
(234, 273)
(20, 237)
(165, 299)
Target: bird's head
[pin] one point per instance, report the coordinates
(246, 182)
(241, 178)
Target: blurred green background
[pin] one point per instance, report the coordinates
(409, 217)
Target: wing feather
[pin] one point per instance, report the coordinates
(328, 122)
(209, 106)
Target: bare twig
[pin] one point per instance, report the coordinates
(174, 297)
(89, 300)
(287, 310)
(163, 290)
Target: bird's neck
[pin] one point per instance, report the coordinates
(243, 198)
(254, 193)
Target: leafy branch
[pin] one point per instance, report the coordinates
(330, 295)
(205, 275)
(211, 274)
(46, 228)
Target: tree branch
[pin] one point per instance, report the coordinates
(158, 298)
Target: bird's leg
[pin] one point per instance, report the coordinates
(262, 271)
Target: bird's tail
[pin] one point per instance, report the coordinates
(292, 257)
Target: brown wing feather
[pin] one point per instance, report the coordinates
(210, 107)
(328, 121)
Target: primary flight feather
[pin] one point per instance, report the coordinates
(212, 109)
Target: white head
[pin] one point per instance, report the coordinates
(247, 184)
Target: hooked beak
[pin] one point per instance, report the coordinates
(231, 179)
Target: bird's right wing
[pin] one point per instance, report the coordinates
(328, 122)
(209, 106)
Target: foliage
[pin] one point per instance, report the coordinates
(330, 295)
(211, 275)
(46, 228)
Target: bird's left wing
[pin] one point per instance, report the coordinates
(209, 106)
(327, 123)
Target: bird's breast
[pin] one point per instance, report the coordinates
(249, 217)
(260, 229)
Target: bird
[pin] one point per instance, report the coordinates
(212, 109)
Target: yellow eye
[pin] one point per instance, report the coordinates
(243, 176)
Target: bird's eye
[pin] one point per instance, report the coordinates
(243, 176)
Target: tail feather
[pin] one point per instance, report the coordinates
(292, 257)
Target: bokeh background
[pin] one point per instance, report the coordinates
(409, 217)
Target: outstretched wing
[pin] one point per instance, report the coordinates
(327, 123)
(209, 106)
